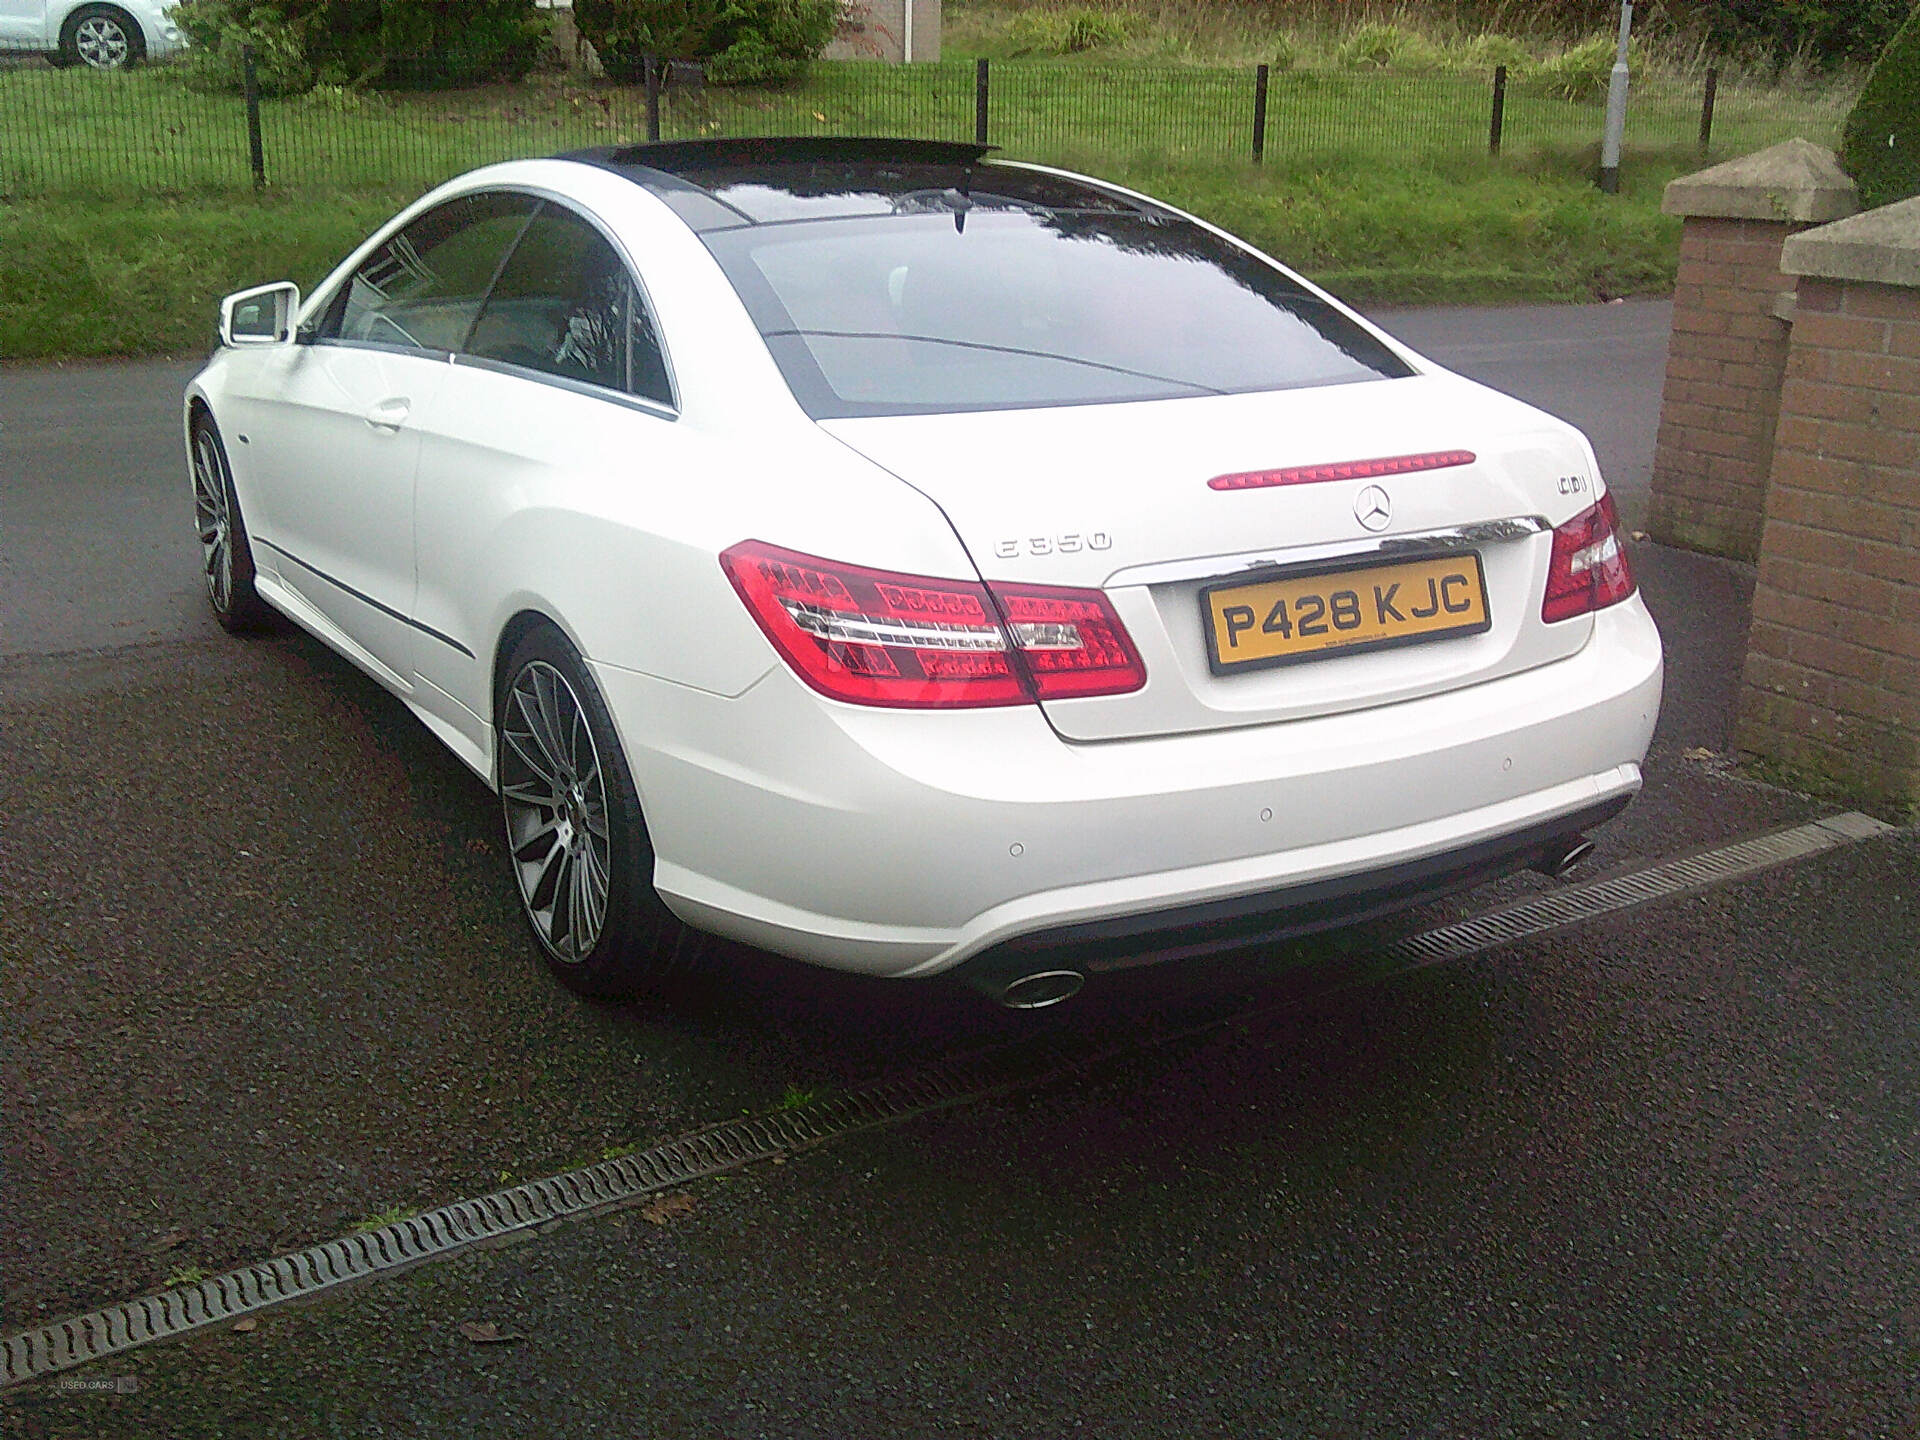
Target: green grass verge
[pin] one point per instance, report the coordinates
(82, 277)
(125, 211)
(143, 277)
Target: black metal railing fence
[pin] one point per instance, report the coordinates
(145, 131)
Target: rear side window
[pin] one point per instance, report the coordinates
(565, 304)
(912, 313)
(424, 286)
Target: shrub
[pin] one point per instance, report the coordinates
(219, 28)
(1487, 52)
(408, 42)
(437, 43)
(1826, 32)
(1880, 144)
(743, 42)
(1387, 47)
(1065, 32)
(1580, 73)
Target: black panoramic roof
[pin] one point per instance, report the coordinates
(691, 157)
(764, 180)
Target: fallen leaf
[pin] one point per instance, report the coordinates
(1697, 752)
(1638, 534)
(818, 116)
(171, 1240)
(485, 1332)
(659, 1212)
(246, 1326)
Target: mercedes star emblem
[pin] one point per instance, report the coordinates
(1373, 508)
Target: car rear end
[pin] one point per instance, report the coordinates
(1261, 622)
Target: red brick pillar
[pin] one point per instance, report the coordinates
(1832, 679)
(1728, 350)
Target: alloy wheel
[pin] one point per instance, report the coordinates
(101, 43)
(556, 809)
(213, 518)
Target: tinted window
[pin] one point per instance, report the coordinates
(922, 313)
(424, 286)
(565, 304)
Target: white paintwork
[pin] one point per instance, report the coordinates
(1139, 477)
(896, 841)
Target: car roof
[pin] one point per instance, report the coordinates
(762, 180)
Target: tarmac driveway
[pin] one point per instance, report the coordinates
(264, 981)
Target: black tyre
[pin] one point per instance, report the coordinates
(226, 557)
(576, 841)
(102, 37)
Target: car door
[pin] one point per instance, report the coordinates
(335, 442)
(23, 24)
(562, 387)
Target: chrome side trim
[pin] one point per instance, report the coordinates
(565, 382)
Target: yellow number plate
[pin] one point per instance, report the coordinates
(1342, 608)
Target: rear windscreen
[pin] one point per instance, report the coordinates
(923, 313)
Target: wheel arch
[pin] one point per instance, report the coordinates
(136, 31)
(518, 626)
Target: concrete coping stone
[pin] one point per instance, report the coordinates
(1881, 247)
(1793, 182)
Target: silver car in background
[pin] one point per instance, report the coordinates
(89, 32)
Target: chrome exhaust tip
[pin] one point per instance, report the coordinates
(1557, 862)
(1040, 989)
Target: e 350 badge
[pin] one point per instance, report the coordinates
(1070, 544)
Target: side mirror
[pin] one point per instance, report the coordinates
(263, 315)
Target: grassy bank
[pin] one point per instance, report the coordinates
(75, 132)
(126, 210)
(95, 277)
(143, 277)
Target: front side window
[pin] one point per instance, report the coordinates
(566, 305)
(425, 285)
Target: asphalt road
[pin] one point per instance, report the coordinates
(264, 979)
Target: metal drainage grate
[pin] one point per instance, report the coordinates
(736, 1143)
(466, 1223)
(1622, 892)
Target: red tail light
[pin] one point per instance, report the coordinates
(1589, 569)
(877, 638)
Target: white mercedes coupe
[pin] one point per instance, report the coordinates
(897, 558)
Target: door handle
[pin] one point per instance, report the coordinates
(390, 414)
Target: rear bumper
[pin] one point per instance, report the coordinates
(1191, 931)
(904, 843)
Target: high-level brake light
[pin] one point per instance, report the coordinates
(1343, 470)
(874, 637)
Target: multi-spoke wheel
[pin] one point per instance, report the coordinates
(226, 559)
(102, 38)
(575, 837)
(556, 804)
